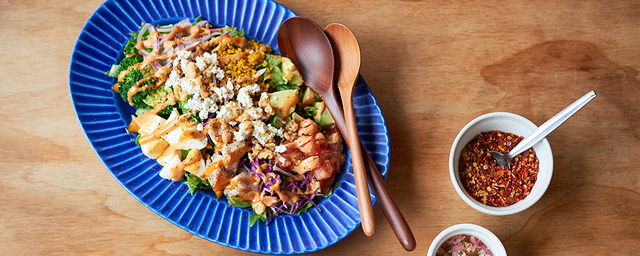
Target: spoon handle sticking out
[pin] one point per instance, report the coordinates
(362, 186)
(551, 124)
(347, 62)
(395, 218)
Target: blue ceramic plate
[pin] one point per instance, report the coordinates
(104, 118)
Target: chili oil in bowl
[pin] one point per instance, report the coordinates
(467, 236)
(513, 190)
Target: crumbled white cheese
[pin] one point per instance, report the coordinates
(277, 131)
(229, 112)
(181, 56)
(280, 149)
(244, 98)
(174, 79)
(255, 113)
(190, 86)
(194, 102)
(262, 132)
(253, 89)
(243, 132)
(207, 60)
(202, 106)
(223, 113)
(231, 87)
(219, 73)
(224, 93)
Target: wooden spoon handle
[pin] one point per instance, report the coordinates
(395, 218)
(362, 188)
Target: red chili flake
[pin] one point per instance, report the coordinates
(490, 183)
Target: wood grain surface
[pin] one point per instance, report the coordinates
(433, 66)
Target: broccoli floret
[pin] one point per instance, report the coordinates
(183, 110)
(155, 95)
(166, 112)
(181, 107)
(152, 97)
(131, 78)
(129, 61)
(124, 65)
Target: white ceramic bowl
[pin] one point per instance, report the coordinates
(488, 238)
(511, 123)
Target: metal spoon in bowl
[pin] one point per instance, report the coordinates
(542, 131)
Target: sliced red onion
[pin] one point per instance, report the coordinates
(156, 44)
(164, 39)
(143, 29)
(184, 46)
(184, 23)
(156, 65)
(165, 30)
(153, 66)
(166, 51)
(198, 40)
(143, 52)
(207, 37)
(202, 23)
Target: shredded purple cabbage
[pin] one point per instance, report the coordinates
(266, 184)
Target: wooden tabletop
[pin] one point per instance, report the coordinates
(432, 65)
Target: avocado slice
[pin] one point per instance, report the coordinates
(309, 97)
(297, 117)
(325, 118)
(290, 72)
(284, 101)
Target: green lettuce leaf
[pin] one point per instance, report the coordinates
(254, 217)
(234, 201)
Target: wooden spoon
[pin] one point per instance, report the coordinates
(346, 53)
(304, 42)
(390, 209)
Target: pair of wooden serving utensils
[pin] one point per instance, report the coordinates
(316, 54)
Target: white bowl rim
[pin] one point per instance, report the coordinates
(522, 205)
(486, 236)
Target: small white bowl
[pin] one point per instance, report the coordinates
(511, 123)
(486, 236)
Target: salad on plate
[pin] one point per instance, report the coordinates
(222, 112)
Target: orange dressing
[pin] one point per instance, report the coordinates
(287, 105)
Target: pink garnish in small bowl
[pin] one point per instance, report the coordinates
(466, 240)
(463, 245)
